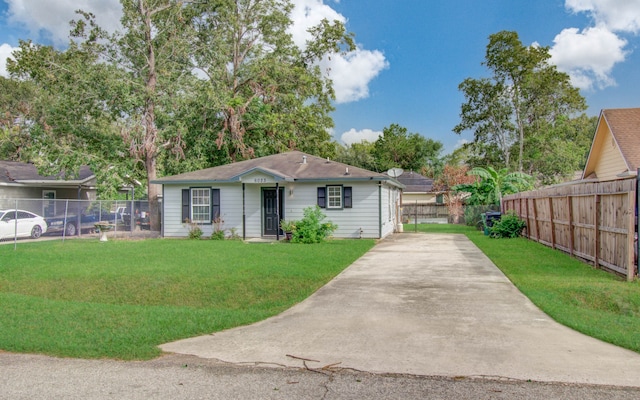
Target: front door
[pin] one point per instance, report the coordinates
(271, 213)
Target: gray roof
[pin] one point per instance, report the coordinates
(20, 172)
(415, 183)
(288, 167)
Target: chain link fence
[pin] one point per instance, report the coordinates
(48, 218)
(439, 213)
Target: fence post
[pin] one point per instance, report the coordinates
(631, 237)
(553, 228)
(535, 219)
(597, 231)
(526, 206)
(571, 233)
(64, 225)
(15, 228)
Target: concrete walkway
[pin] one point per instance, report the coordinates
(424, 304)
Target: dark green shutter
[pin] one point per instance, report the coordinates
(346, 194)
(186, 196)
(322, 197)
(215, 204)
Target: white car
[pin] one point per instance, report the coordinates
(27, 224)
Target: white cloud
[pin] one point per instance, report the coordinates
(50, 19)
(354, 136)
(352, 72)
(616, 15)
(308, 13)
(5, 52)
(589, 55)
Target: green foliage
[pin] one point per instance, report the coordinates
(473, 214)
(288, 226)
(311, 229)
(122, 299)
(195, 232)
(129, 106)
(555, 153)
(217, 235)
(358, 154)
(263, 94)
(410, 151)
(509, 226)
(522, 98)
(493, 184)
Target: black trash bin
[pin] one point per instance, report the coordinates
(489, 218)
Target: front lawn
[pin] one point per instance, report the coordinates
(121, 299)
(573, 293)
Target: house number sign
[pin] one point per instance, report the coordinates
(260, 180)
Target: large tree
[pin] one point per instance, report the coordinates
(16, 105)
(522, 97)
(65, 124)
(358, 154)
(410, 151)
(267, 95)
(107, 91)
(130, 105)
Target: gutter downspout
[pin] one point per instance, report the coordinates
(244, 215)
(162, 224)
(278, 211)
(379, 209)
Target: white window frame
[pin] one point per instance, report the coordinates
(200, 205)
(334, 197)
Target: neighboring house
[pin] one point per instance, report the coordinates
(418, 189)
(615, 150)
(20, 180)
(252, 196)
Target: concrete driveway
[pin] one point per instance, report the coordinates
(423, 304)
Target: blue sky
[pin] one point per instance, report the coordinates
(413, 54)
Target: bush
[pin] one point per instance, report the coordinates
(311, 229)
(509, 226)
(195, 232)
(217, 235)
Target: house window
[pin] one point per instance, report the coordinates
(334, 196)
(440, 198)
(200, 205)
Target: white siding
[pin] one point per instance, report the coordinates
(363, 219)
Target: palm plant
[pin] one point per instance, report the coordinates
(493, 184)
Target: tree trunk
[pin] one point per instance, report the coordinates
(151, 131)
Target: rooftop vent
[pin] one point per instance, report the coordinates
(304, 159)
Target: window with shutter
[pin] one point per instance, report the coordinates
(322, 197)
(347, 197)
(186, 196)
(200, 205)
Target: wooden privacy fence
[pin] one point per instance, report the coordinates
(424, 212)
(595, 221)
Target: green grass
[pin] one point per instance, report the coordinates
(121, 299)
(591, 301)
